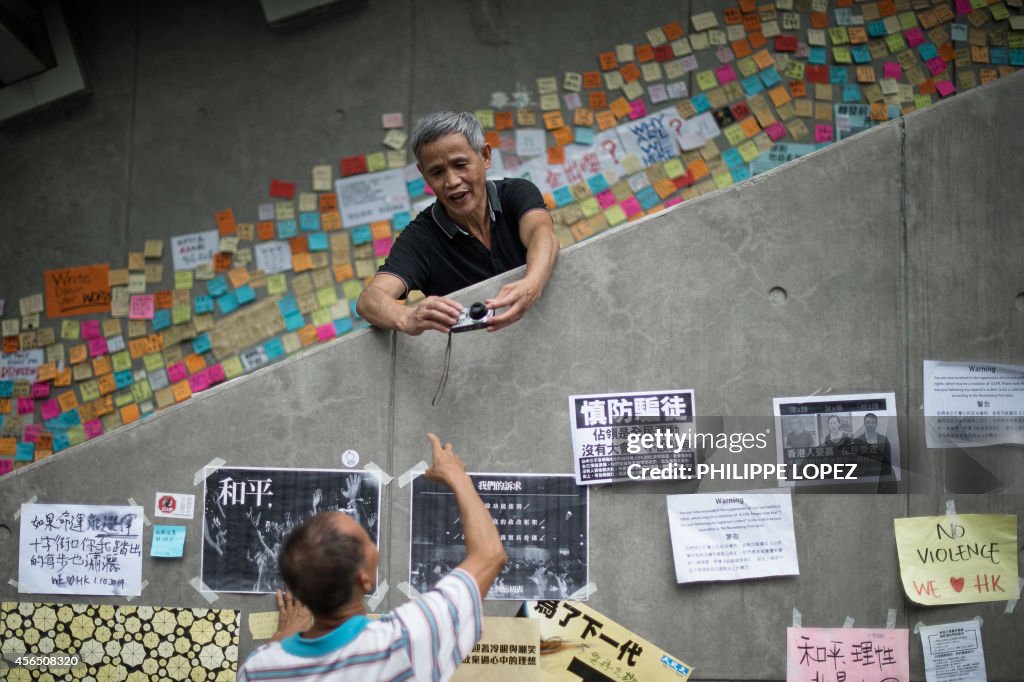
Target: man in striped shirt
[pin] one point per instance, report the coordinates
(330, 565)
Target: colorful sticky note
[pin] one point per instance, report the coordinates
(168, 542)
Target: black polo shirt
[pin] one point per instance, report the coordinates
(437, 257)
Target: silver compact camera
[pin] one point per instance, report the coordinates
(473, 317)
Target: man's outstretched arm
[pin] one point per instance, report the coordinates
(378, 304)
(537, 233)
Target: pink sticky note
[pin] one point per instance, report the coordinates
(935, 65)
(631, 206)
(216, 373)
(963, 6)
(93, 428)
(6, 466)
(637, 109)
(945, 88)
(891, 70)
(803, 668)
(392, 120)
(325, 332)
(97, 346)
(177, 372)
(49, 409)
(725, 74)
(90, 329)
(198, 382)
(40, 390)
(31, 432)
(381, 247)
(914, 36)
(776, 131)
(605, 199)
(142, 307)
(26, 406)
(673, 201)
(822, 133)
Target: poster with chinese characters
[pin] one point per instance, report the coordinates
(958, 559)
(249, 511)
(969, 405)
(542, 520)
(365, 199)
(847, 654)
(508, 651)
(80, 549)
(189, 251)
(953, 652)
(732, 536)
(578, 643)
(837, 439)
(601, 425)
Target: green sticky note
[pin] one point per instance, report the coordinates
(747, 66)
(795, 71)
(232, 367)
(377, 161)
(121, 361)
(180, 314)
(123, 398)
(590, 207)
(615, 215)
(76, 435)
(89, 390)
(70, 329)
(838, 35)
(326, 297)
(841, 55)
(706, 80)
(922, 101)
(277, 284)
(352, 288)
(999, 12)
(748, 151)
(183, 279)
(141, 391)
(908, 20)
(153, 361)
(674, 168)
(320, 317)
(734, 134)
(723, 180)
(895, 43)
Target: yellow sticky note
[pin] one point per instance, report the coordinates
(734, 134)
(748, 151)
(723, 180)
(263, 625)
(232, 367)
(615, 215)
(706, 80)
(842, 55)
(352, 289)
(958, 559)
(69, 329)
(590, 207)
(183, 279)
(277, 284)
(320, 317)
(326, 297)
(376, 162)
(674, 168)
(485, 116)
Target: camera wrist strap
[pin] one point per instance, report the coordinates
(444, 375)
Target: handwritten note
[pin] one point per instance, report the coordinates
(837, 654)
(273, 257)
(192, 250)
(168, 542)
(76, 291)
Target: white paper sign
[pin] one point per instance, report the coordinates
(192, 250)
(953, 652)
(698, 130)
(372, 197)
(530, 142)
(174, 506)
(732, 536)
(969, 405)
(649, 139)
(273, 257)
(22, 365)
(80, 549)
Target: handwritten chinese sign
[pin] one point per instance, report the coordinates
(847, 655)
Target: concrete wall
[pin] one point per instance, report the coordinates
(898, 245)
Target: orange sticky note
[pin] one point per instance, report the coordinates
(76, 291)
(327, 201)
(819, 20)
(630, 72)
(5, 405)
(194, 363)
(797, 89)
(330, 221)
(8, 446)
(47, 371)
(698, 169)
(563, 136)
(503, 120)
(239, 277)
(605, 119)
(103, 406)
(181, 391)
(130, 413)
(607, 61)
(556, 156)
(380, 229)
(67, 401)
(597, 100)
(343, 271)
(265, 230)
(591, 80)
(493, 139)
(11, 344)
(298, 244)
(63, 377)
(163, 299)
(301, 262)
(665, 188)
(779, 95)
(757, 39)
(553, 119)
(583, 117)
(106, 384)
(307, 335)
(77, 354)
(751, 23)
(620, 107)
(644, 53)
(741, 48)
(225, 222)
(581, 230)
(764, 59)
(749, 126)
(101, 365)
(673, 30)
(221, 262)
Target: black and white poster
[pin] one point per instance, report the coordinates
(542, 520)
(248, 512)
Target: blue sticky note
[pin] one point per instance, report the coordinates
(597, 183)
(770, 77)
(740, 174)
(584, 135)
(25, 452)
(927, 51)
(317, 241)
(751, 85)
(124, 378)
(274, 348)
(894, 111)
(6, 389)
(647, 198)
(161, 319)
(700, 103)
(286, 229)
(309, 222)
(227, 303)
(400, 220)
(201, 344)
(287, 305)
(416, 187)
(732, 158)
(60, 440)
(245, 294)
(817, 55)
(342, 326)
(562, 196)
(851, 93)
(837, 75)
(1016, 56)
(294, 321)
(861, 54)
(204, 304)
(218, 286)
(997, 55)
(876, 29)
(168, 542)
(362, 235)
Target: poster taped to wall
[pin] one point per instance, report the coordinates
(602, 424)
(969, 405)
(541, 518)
(837, 654)
(508, 651)
(837, 439)
(248, 512)
(953, 652)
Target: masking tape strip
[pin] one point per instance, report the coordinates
(981, 621)
(145, 519)
(917, 627)
(145, 584)
(408, 590)
(374, 600)
(584, 592)
(848, 623)
(205, 592)
(207, 469)
(381, 475)
(1012, 604)
(18, 586)
(890, 620)
(31, 500)
(951, 509)
(416, 470)
(798, 620)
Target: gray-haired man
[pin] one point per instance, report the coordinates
(476, 229)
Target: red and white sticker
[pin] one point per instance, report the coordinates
(174, 506)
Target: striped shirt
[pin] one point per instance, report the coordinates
(423, 640)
